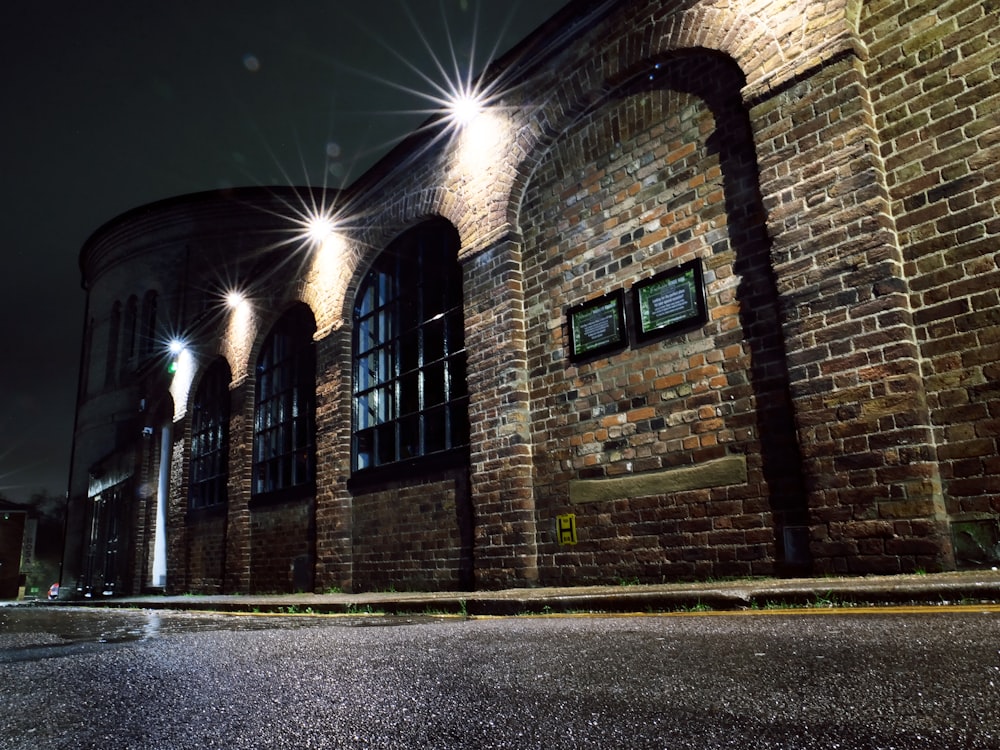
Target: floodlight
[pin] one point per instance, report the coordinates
(464, 108)
(235, 298)
(319, 227)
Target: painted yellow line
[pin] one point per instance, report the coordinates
(923, 609)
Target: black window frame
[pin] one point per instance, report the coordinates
(208, 473)
(409, 394)
(284, 434)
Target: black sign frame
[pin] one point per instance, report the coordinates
(604, 316)
(679, 293)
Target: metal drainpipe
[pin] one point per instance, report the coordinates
(159, 577)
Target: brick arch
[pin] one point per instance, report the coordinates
(584, 183)
(411, 208)
(743, 37)
(769, 54)
(266, 324)
(407, 211)
(199, 376)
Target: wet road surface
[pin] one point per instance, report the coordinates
(79, 678)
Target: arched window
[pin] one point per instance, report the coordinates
(114, 329)
(88, 345)
(128, 342)
(284, 449)
(209, 473)
(410, 398)
(147, 336)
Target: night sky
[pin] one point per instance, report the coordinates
(108, 105)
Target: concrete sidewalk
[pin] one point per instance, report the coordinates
(975, 587)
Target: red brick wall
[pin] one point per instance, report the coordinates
(854, 363)
(240, 479)
(281, 547)
(500, 462)
(205, 552)
(660, 174)
(933, 73)
(334, 570)
(407, 534)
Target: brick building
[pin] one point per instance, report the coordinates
(706, 288)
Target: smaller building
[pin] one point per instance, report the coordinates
(14, 526)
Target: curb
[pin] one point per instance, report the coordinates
(749, 595)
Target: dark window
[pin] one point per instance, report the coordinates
(410, 397)
(128, 343)
(114, 326)
(88, 345)
(284, 423)
(210, 439)
(147, 336)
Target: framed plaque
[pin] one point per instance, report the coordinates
(670, 301)
(597, 326)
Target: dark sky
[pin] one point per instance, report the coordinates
(111, 104)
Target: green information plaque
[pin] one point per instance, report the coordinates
(597, 326)
(670, 301)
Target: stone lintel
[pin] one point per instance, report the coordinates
(717, 473)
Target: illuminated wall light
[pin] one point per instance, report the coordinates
(235, 298)
(319, 227)
(465, 108)
(325, 280)
(175, 347)
(240, 332)
(480, 144)
(477, 129)
(183, 369)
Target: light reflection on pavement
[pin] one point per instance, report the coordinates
(32, 632)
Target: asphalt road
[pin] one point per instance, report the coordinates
(76, 678)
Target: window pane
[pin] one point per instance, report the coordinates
(409, 436)
(367, 300)
(364, 377)
(382, 402)
(385, 289)
(455, 331)
(385, 444)
(362, 412)
(301, 471)
(409, 393)
(410, 313)
(458, 425)
(434, 390)
(384, 364)
(434, 431)
(434, 295)
(456, 377)
(409, 351)
(366, 334)
(386, 327)
(365, 448)
(433, 340)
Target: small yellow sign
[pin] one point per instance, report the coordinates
(566, 528)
